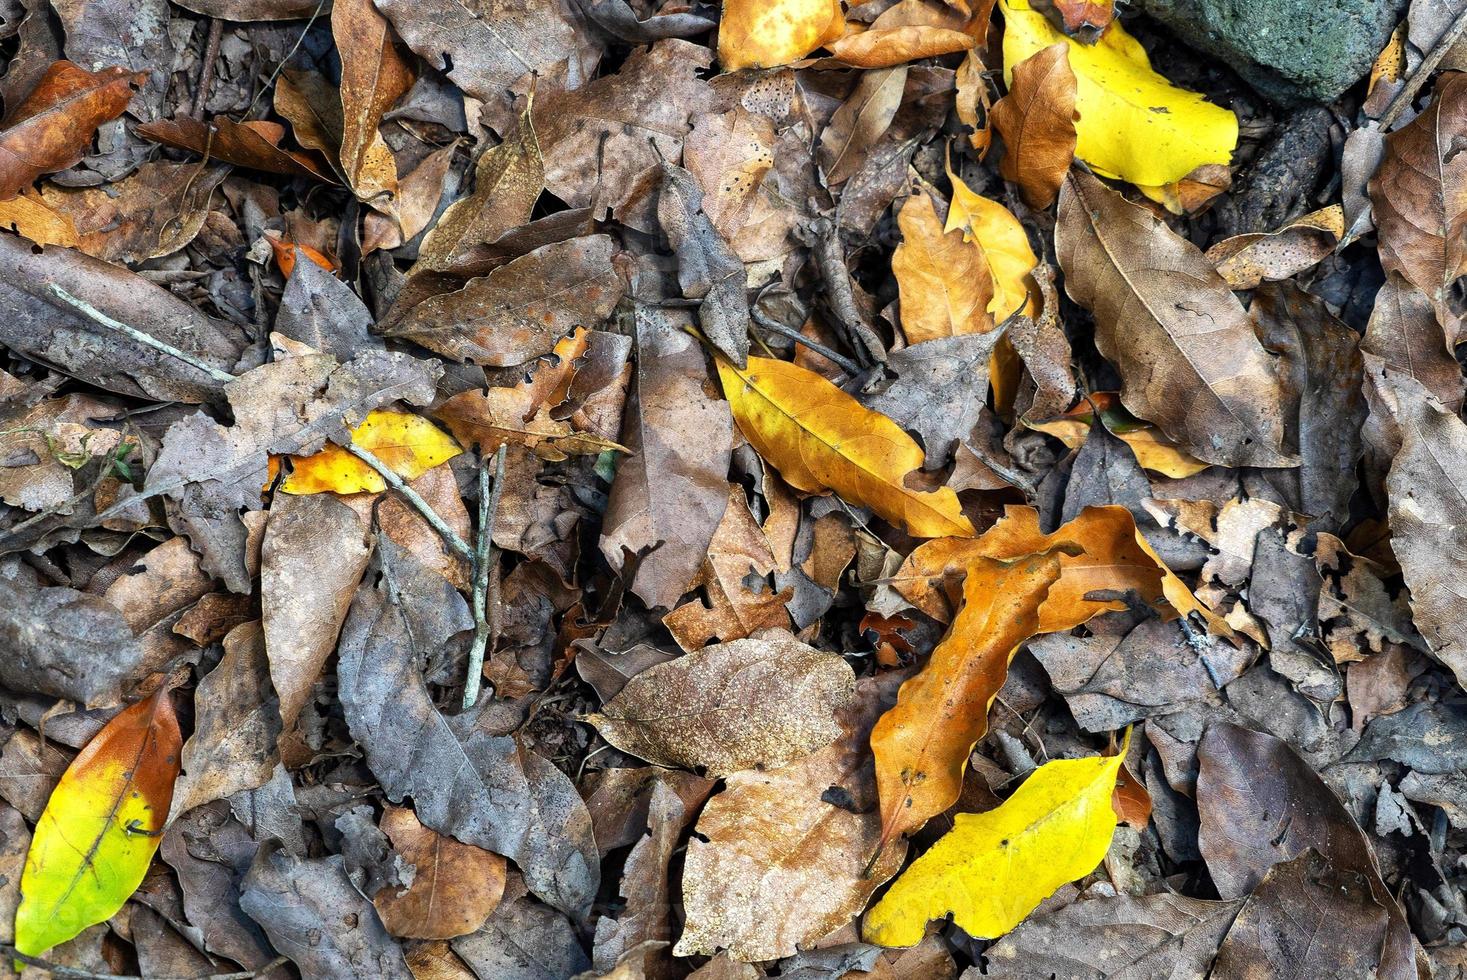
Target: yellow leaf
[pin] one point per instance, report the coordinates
(96, 838)
(820, 439)
(1134, 124)
(1005, 245)
(1152, 449)
(768, 33)
(32, 218)
(992, 869)
(943, 279)
(409, 444)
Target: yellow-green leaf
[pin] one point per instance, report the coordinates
(992, 869)
(96, 838)
(820, 438)
(409, 444)
(1134, 124)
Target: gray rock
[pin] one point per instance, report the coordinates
(1291, 51)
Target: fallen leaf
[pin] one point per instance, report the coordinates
(707, 269)
(1183, 344)
(945, 282)
(762, 702)
(821, 439)
(1133, 124)
(373, 78)
(1419, 197)
(860, 122)
(285, 256)
(922, 744)
(992, 869)
(409, 444)
(454, 888)
(96, 839)
(1152, 449)
(883, 47)
(254, 144)
(778, 860)
(53, 128)
(1005, 246)
(769, 33)
(1037, 121)
(1244, 261)
(29, 216)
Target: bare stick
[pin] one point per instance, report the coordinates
(485, 557)
(146, 340)
(774, 326)
(449, 535)
(206, 72)
(1423, 71)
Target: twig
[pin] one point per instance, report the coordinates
(449, 535)
(58, 970)
(774, 326)
(1423, 71)
(485, 556)
(206, 71)
(145, 339)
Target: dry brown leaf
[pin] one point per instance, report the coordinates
(1037, 122)
(254, 144)
(454, 888)
(373, 78)
(860, 121)
(774, 866)
(1247, 260)
(734, 610)
(1419, 195)
(973, 108)
(762, 702)
(54, 126)
(883, 47)
(944, 279)
(150, 214)
(1183, 344)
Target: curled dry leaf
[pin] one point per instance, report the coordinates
(96, 838)
(922, 743)
(883, 47)
(1183, 344)
(821, 439)
(1247, 260)
(769, 33)
(409, 444)
(454, 888)
(53, 127)
(254, 144)
(374, 76)
(945, 282)
(992, 869)
(1133, 123)
(762, 702)
(1037, 122)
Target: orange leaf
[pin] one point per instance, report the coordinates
(53, 127)
(285, 255)
(254, 144)
(922, 743)
(944, 280)
(96, 838)
(1130, 800)
(1037, 122)
(883, 48)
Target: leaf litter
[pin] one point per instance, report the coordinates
(644, 490)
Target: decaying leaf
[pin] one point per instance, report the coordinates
(454, 888)
(992, 869)
(94, 842)
(1247, 260)
(945, 281)
(820, 439)
(254, 144)
(761, 702)
(373, 77)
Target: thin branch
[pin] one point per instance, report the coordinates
(847, 365)
(449, 535)
(137, 335)
(206, 72)
(486, 556)
(1423, 71)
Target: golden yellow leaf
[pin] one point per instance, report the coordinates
(992, 869)
(922, 744)
(1152, 449)
(820, 439)
(29, 216)
(943, 279)
(995, 230)
(1134, 124)
(409, 444)
(769, 33)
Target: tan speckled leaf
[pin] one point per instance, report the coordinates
(754, 702)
